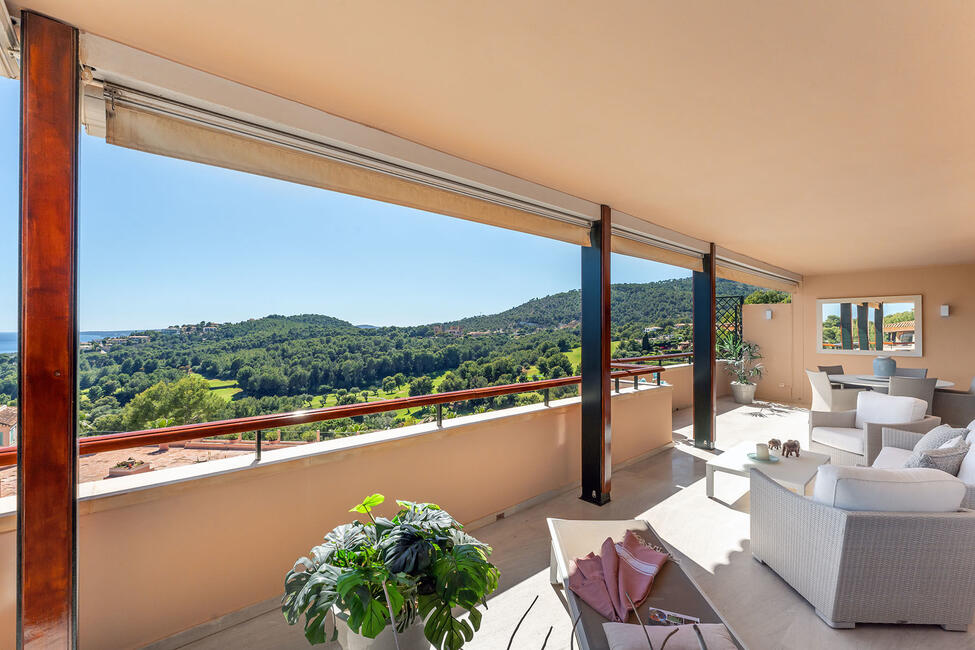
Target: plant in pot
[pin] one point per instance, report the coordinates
(742, 364)
(392, 583)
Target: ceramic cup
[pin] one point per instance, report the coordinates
(761, 451)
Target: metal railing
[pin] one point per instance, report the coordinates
(258, 423)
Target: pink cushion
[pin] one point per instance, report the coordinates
(880, 408)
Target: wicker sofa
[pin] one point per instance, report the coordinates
(867, 567)
(897, 447)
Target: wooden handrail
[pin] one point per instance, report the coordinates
(129, 439)
(656, 357)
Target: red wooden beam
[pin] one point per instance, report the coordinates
(47, 476)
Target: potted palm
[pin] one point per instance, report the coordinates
(408, 583)
(742, 364)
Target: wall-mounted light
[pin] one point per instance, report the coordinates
(768, 314)
(945, 310)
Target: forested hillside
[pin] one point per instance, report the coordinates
(650, 303)
(208, 371)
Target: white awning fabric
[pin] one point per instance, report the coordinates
(157, 132)
(656, 252)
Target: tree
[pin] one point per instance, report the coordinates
(645, 344)
(451, 381)
(389, 384)
(186, 401)
(767, 297)
(421, 386)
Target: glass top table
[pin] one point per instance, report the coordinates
(872, 381)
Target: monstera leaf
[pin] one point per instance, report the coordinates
(406, 550)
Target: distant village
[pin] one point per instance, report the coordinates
(134, 339)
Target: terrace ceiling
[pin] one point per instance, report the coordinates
(820, 137)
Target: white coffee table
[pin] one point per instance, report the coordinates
(795, 473)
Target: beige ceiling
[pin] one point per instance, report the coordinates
(816, 135)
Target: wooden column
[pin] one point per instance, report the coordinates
(47, 452)
(705, 358)
(596, 397)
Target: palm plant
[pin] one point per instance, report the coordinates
(741, 356)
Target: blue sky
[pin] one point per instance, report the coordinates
(164, 241)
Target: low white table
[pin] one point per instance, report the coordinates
(795, 473)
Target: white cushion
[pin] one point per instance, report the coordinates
(971, 426)
(879, 408)
(971, 435)
(850, 440)
(888, 490)
(967, 470)
(891, 458)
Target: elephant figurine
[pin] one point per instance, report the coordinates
(790, 447)
(775, 444)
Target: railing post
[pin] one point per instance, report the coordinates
(616, 381)
(636, 382)
(439, 415)
(547, 393)
(656, 377)
(257, 444)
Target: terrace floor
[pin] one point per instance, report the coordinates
(711, 537)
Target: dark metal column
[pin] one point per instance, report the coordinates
(863, 326)
(878, 326)
(704, 353)
(596, 397)
(47, 453)
(846, 325)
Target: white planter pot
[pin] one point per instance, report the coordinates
(410, 639)
(743, 393)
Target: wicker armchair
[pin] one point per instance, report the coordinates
(867, 567)
(870, 435)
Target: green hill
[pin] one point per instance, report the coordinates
(651, 302)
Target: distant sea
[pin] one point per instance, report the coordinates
(8, 340)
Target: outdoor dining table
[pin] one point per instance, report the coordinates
(874, 382)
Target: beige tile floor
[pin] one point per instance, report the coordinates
(711, 537)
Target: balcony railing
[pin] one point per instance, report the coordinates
(625, 368)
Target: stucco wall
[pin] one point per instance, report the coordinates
(681, 379)
(775, 337)
(947, 344)
(165, 551)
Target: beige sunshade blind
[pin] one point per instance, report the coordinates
(766, 280)
(179, 138)
(649, 251)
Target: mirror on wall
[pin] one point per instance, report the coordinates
(868, 325)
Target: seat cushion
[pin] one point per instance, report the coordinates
(850, 440)
(891, 458)
(880, 408)
(887, 490)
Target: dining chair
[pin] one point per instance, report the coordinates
(832, 370)
(920, 373)
(922, 388)
(827, 398)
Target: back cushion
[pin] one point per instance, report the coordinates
(967, 470)
(888, 490)
(879, 408)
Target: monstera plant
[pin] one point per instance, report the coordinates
(418, 567)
